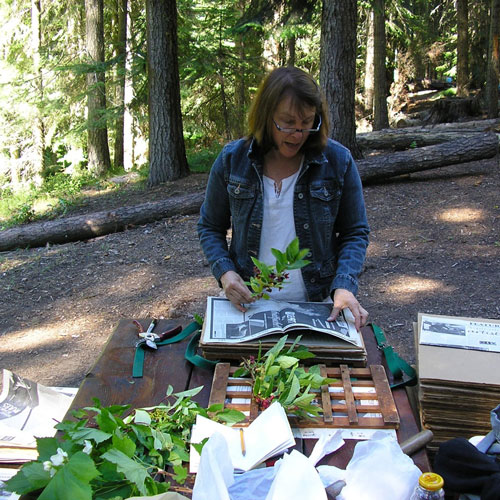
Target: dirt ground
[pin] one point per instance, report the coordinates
(435, 247)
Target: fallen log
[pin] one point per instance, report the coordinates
(406, 138)
(82, 227)
(469, 148)
(475, 147)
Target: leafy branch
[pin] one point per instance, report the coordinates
(103, 454)
(268, 277)
(277, 376)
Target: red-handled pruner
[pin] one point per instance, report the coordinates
(147, 337)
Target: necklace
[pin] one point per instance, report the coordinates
(277, 188)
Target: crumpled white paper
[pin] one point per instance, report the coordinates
(293, 477)
(326, 445)
(377, 470)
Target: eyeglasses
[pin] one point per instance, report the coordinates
(286, 130)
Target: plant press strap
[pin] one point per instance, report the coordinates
(396, 365)
(137, 369)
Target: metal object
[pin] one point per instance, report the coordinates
(417, 442)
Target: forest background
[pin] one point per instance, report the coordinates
(99, 90)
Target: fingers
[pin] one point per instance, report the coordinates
(344, 299)
(235, 290)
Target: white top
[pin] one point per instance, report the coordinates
(278, 230)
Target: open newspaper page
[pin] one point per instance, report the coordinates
(225, 324)
(28, 410)
(464, 333)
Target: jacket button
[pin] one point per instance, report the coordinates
(306, 226)
(300, 196)
(313, 280)
(309, 254)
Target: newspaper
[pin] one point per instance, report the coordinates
(28, 410)
(225, 324)
(465, 333)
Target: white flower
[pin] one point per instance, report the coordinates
(88, 447)
(59, 458)
(49, 467)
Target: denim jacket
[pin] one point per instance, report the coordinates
(328, 209)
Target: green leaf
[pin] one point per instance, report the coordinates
(299, 264)
(124, 444)
(241, 372)
(86, 433)
(180, 474)
(231, 416)
(273, 370)
(303, 354)
(286, 362)
(72, 480)
(189, 393)
(294, 390)
(142, 417)
(133, 471)
(31, 477)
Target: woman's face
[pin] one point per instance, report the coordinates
(289, 116)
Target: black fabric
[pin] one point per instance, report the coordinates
(467, 470)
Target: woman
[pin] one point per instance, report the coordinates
(287, 179)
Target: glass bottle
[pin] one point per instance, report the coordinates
(429, 487)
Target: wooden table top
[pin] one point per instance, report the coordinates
(110, 380)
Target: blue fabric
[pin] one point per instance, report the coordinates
(329, 213)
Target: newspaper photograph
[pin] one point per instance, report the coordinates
(464, 333)
(28, 410)
(228, 325)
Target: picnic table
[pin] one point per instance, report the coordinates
(111, 381)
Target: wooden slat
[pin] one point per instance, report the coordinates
(344, 408)
(385, 399)
(219, 384)
(326, 402)
(348, 395)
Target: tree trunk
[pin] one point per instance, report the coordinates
(167, 154)
(369, 83)
(121, 54)
(463, 150)
(338, 69)
(380, 116)
(38, 129)
(87, 226)
(98, 149)
(462, 48)
(493, 61)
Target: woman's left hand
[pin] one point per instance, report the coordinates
(345, 299)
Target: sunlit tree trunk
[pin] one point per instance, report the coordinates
(462, 48)
(369, 84)
(121, 54)
(338, 69)
(493, 61)
(38, 128)
(380, 116)
(167, 154)
(98, 149)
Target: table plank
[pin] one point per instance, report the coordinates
(110, 379)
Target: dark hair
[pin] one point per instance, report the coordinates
(282, 82)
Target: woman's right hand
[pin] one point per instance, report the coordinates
(236, 291)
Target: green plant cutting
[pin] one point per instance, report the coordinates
(104, 455)
(268, 277)
(277, 376)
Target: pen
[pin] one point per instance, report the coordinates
(242, 441)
